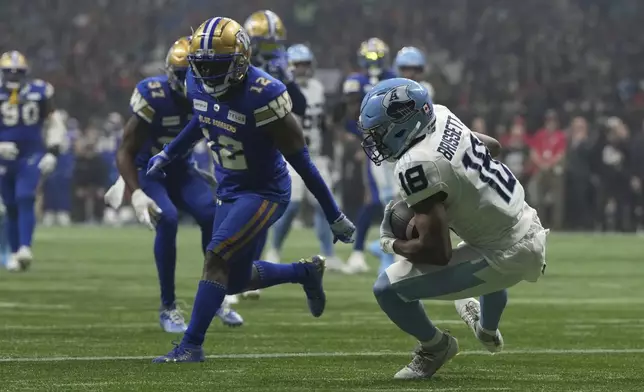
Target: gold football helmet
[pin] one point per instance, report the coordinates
(267, 33)
(219, 54)
(176, 64)
(373, 55)
(13, 69)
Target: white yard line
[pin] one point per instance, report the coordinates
(591, 351)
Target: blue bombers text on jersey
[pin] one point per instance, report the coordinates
(246, 159)
(167, 113)
(21, 120)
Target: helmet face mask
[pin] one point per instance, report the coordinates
(13, 70)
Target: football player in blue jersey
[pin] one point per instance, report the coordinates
(267, 39)
(410, 63)
(159, 111)
(26, 107)
(373, 59)
(245, 114)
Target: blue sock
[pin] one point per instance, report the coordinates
(408, 316)
(492, 306)
(362, 225)
(165, 257)
(283, 225)
(13, 234)
(208, 300)
(323, 232)
(271, 274)
(26, 220)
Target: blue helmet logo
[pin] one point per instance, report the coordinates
(392, 115)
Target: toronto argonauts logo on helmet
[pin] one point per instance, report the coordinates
(398, 104)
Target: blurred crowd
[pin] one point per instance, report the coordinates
(561, 82)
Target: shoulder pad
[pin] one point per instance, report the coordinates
(421, 175)
(271, 101)
(144, 97)
(45, 88)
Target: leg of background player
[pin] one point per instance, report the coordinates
(386, 259)
(281, 228)
(325, 236)
(26, 184)
(49, 201)
(8, 188)
(64, 202)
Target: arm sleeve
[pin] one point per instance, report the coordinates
(297, 98)
(301, 162)
(185, 140)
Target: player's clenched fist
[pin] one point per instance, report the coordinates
(343, 230)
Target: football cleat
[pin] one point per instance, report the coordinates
(230, 300)
(251, 294)
(229, 317)
(12, 264)
(334, 263)
(172, 321)
(426, 362)
(356, 263)
(24, 257)
(181, 353)
(470, 311)
(312, 284)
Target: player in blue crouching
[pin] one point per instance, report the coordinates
(159, 112)
(246, 116)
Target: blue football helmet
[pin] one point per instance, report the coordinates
(301, 61)
(409, 57)
(392, 115)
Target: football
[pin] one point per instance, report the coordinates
(402, 221)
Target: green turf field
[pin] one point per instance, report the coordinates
(84, 319)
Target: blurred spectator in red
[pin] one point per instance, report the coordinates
(579, 186)
(548, 149)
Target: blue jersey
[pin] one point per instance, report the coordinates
(21, 122)
(361, 83)
(166, 112)
(246, 159)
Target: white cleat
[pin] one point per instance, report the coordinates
(356, 263)
(251, 294)
(64, 219)
(426, 362)
(12, 264)
(272, 255)
(333, 263)
(24, 257)
(470, 311)
(48, 219)
(230, 300)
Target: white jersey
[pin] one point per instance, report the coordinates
(313, 91)
(485, 203)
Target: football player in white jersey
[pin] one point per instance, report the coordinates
(302, 63)
(448, 177)
(410, 63)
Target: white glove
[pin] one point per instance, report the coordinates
(147, 211)
(47, 163)
(114, 196)
(386, 233)
(8, 151)
(343, 230)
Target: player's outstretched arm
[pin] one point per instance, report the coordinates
(135, 133)
(289, 139)
(433, 245)
(185, 140)
(491, 143)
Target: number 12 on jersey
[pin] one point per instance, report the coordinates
(491, 172)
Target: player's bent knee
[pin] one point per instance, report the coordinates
(215, 268)
(382, 287)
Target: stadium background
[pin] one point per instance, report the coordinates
(504, 67)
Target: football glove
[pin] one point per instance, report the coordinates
(147, 211)
(8, 151)
(156, 165)
(343, 230)
(386, 232)
(47, 163)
